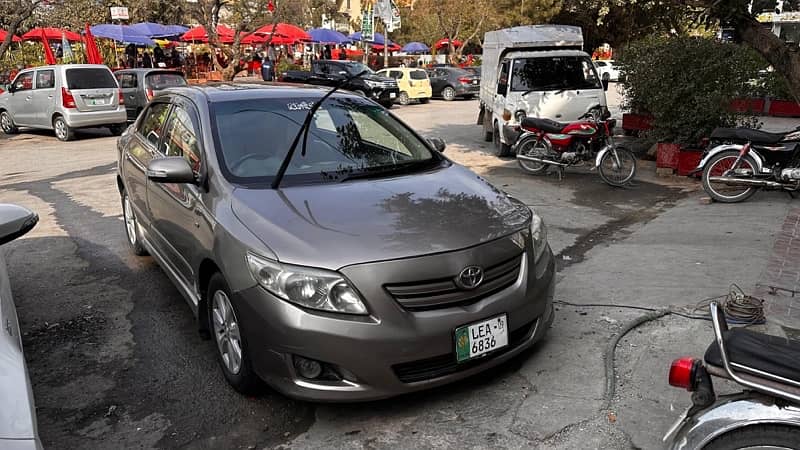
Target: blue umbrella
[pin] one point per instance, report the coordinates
(376, 39)
(121, 33)
(416, 47)
(151, 29)
(326, 36)
(176, 30)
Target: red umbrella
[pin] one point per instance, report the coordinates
(4, 33)
(93, 55)
(199, 34)
(51, 34)
(441, 43)
(379, 47)
(284, 30)
(49, 58)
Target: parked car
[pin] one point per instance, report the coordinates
(476, 70)
(18, 415)
(63, 98)
(449, 83)
(608, 70)
(139, 86)
(371, 243)
(332, 72)
(413, 84)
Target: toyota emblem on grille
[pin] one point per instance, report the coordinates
(470, 278)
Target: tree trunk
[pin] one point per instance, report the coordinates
(783, 57)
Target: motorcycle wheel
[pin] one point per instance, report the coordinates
(718, 165)
(617, 173)
(537, 148)
(757, 436)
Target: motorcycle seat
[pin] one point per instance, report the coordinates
(747, 134)
(771, 354)
(546, 125)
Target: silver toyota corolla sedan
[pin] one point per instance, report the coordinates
(17, 411)
(327, 248)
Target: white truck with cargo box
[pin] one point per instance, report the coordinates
(535, 71)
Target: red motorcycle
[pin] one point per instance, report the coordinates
(545, 143)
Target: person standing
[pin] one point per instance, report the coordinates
(130, 55)
(267, 68)
(326, 52)
(147, 60)
(342, 53)
(158, 55)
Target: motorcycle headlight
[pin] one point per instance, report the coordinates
(519, 115)
(306, 286)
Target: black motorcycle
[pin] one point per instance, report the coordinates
(742, 160)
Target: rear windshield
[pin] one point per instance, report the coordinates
(554, 74)
(164, 80)
(419, 75)
(90, 78)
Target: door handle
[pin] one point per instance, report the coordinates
(131, 96)
(50, 96)
(28, 98)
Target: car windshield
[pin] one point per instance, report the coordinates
(347, 137)
(164, 80)
(90, 78)
(554, 74)
(356, 67)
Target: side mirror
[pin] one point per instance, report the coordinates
(15, 221)
(172, 169)
(438, 144)
(605, 84)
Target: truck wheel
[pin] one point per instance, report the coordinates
(487, 127)
(449, 94)
(403, 98)
(500, 149)
(757, 436)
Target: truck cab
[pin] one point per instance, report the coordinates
(535, 71)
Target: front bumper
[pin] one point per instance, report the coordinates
(373, 352)
(83, 119)
(384, 95)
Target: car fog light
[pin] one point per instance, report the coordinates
(307, 368)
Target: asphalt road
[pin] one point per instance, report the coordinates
(116, 361)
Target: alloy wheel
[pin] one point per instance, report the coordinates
(226, 332)
(130, 220)
(449, 93)
(5, 123)
(60, 129)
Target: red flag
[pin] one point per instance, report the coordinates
(271, 6)
(49, 58)
(93, 55)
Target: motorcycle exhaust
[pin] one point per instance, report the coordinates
(746, 182)
(540, 160)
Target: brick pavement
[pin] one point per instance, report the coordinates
(779, 284)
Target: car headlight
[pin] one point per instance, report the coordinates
(306, 286)
(538, 232)
(373, 84)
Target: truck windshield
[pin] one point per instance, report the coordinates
(554, 74)
(348, 138)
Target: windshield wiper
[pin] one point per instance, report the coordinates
(396, 169)
(303, 131)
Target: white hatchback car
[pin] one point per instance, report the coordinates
(608, 70)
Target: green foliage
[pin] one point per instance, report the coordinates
(286, 65)
(687, 84)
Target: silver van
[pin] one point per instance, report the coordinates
(63, 98)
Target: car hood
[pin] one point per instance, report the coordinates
(358, 221)
(373, 77)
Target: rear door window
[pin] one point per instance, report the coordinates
(126, 80)
(45, 79)
(164, 80)
(90, 78)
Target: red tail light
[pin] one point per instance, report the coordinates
(465, 80)
(67, 100)
(149, 93)
(121, 98)
(682, 373)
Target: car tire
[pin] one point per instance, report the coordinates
(448, 94)
(403, 98)
(62, 130)
(500, 149)
(229, 338)
(117, 129)
(131, 226)
(7, 123)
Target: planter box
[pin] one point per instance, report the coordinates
(632, 123)
(746, 105)
(784, 108)
(688, 158)
(667, 155)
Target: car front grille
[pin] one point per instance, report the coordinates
(443, 292)
(388, 84)
(439, 366)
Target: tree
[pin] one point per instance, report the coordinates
(13, 13)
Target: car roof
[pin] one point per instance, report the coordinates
(67, 66)
(227, 91)
(149, 70)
